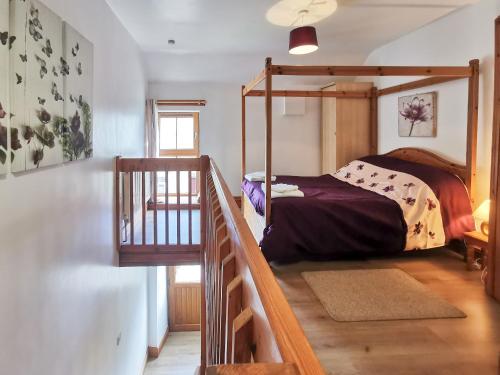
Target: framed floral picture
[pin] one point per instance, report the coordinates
(417, 115)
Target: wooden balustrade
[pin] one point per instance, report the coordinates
(154, 225)
(248, 326)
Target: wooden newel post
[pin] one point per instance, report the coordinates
(118, 237)
(374, 121)
(493, 279)
(204, 170)
(472, 120)
(243, 134)
(269, 132)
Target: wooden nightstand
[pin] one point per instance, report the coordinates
(475, 240)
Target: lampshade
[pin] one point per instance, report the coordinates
(303, 40)
(482, 214)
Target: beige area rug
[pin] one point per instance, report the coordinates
(377, 294)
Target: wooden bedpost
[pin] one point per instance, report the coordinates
(493, 279)
(472, 118)
(243, 135)
(374, 121)
(269, 131)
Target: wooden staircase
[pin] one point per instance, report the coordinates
(247, 325)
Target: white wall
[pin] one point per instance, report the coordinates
(296, 139)
(453, 40)
(157, 305)
(64, 301)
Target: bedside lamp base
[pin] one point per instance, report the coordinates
(484, 228)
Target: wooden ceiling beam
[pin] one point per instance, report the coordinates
(360, 71)
(313, 94)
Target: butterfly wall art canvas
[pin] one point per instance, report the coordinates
(417, 115)
(46, 127)
(4, 86)
(77, 142)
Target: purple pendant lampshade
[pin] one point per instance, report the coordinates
(303, 40)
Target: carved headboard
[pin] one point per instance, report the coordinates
(428, 158)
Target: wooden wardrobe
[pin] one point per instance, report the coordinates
(345, 126)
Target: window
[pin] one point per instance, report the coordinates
(178, 134)
(178, 138)
(187, 274)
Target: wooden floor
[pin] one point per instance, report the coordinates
(180, 355)
(437, 346)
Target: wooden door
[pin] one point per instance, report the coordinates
(328, 129)
(184, 298)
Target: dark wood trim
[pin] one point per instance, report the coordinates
(493, 279)
(416, 85)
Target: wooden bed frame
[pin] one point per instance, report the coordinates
(434, 74)
(257, 223)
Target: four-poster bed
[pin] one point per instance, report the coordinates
(434, 75)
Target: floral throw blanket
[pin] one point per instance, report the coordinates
(420, 206)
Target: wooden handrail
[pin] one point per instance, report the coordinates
(281, 339)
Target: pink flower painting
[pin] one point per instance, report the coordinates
(417, 115)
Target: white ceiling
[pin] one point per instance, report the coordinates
(228, 40)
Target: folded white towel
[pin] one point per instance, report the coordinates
(258, 177)
(281, 188)
(293, 194)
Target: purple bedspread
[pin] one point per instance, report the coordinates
(336, 219)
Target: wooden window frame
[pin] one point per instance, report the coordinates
(195, 152)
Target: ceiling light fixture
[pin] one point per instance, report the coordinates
(303, 39)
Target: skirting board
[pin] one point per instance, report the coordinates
(154, 352)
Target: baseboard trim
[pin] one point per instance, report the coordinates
(154, 352)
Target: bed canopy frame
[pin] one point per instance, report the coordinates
(433, 74)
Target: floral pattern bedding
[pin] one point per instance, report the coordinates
(420, 206)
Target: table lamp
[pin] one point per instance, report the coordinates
(482, 214)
